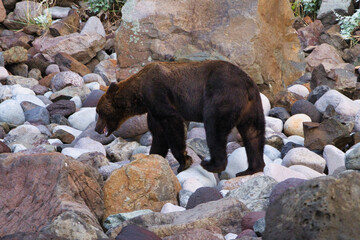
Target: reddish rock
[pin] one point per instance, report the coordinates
(4, 148)
(203, 195)
(68, 63)
(286, 99)
(211, 233)
(62, 107)
(40, 89)
(309, 35)
(330, 131)
(2, 12)
(107, 70)
(324, 54)
(133, 127)
(31, 236)
(249, 219)
(46, 81)
(247, 233)
(135, 232)
(37, 188)
(65, 26)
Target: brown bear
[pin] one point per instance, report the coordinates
(217, 93)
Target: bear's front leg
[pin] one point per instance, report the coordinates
(174, 133)
(159, 144)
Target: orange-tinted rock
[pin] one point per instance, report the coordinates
(67, 25)
(67, 62)
(146, 183)
(45, 81)
(261, 42)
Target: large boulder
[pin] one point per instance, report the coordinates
(145, 183)
(261, 42)
(35, 189)
(225, 213)
(323, 208)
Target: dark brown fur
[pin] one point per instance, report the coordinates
(214, 92)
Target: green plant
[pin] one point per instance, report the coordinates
(39, 16)
(348, 24)
(306, 7)
(105, 5)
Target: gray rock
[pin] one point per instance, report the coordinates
(255, 193)
(306, 107)
(225, 214)
(37, 115)
(279, 112)
(120, 150)
(315, 210)
(52, 68)
(146, 139)
(11, 112)
(22, 81)
(352, 160)
(35, 73)
(346, 7)
(58, 12)
(106, 171)
(116, 219)
(20, 69)
(259, 226)
(69, 225)
(64, 79)
(317, 93)
(199, 146)
(184, 196)
(93, 26)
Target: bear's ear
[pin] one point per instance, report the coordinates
(112, 88)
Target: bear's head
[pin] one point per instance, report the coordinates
(109, 113)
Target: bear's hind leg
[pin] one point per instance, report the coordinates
(159, 144)
(217, 129)
(254, 140)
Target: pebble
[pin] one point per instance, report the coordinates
(11, 112)
(303, 156)
(299, 89)
(294, 125)
(266, 104)
(281, 173)
(206, 178)
(81, 119)
(169, 207)
(334, 157)
(237, 162)
(275, 124)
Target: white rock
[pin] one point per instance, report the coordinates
(77, 101)
(74, 152)
(237, 162)
(93, 86)
(48, 94)
(81, 119)
(357, 121)
(278, 161)
(11, 112)
(308, 172)
(64, 79)
(271, 152)
(17, 148)
(93, 25)
(334, 158)
(91, 145)
(206, 178)
(68, 129)
(274, 123)
(295, 139)
(224, 192)
(303, 156)
(55, 141)
(57, 12)
(3, 73)
(28, 98)
(294, 125)
(267, 160)
(266, 104)
(18, 89)
(299, 89)
(191, 184)
(5, 93)
(342, 104)
(24, 129)
(169, 207)
(230, 236)
(94, 77)
(281, 173)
